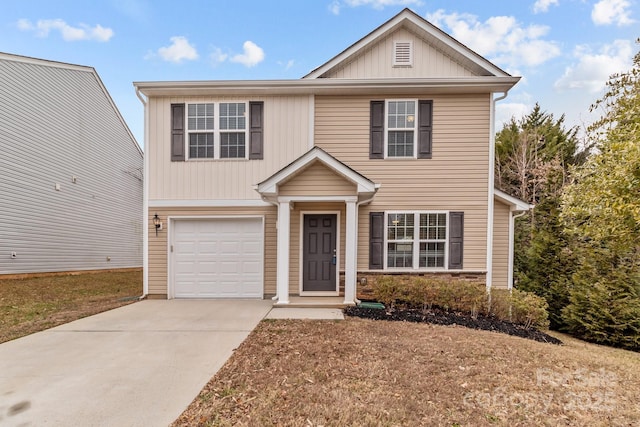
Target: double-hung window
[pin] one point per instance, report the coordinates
(217, 130)
(233, 130)
(401, 128)
(200, 128)
(416, 240)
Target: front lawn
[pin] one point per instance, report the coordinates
(361, 372)
(33, 304)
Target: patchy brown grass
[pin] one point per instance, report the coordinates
(363, 372)
(30, 305)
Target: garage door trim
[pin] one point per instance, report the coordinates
(171, 220)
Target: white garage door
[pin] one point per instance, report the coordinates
(218, 258)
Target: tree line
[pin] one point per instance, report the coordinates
(579, 248)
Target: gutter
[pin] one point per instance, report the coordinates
(491, 183)
(145, 198)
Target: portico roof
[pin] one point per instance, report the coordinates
(364, 186)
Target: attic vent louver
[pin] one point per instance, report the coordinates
(402, 54)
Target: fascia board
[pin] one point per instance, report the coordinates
(515, 203)
(270, 185)
(327, 86)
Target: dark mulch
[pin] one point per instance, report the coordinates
(442, 317)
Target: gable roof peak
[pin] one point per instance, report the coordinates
(435, 36)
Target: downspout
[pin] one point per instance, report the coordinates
(377, 187)
(265, 199)
(512, 220)
(145, 202)
(491, 184)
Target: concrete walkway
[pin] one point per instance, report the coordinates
(138, 365)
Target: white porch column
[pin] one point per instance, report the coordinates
(282, 281)
(350, 266)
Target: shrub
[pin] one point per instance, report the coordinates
(517, 306)
(387, 290)
(529, 309)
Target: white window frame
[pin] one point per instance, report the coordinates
(189, 132)
(416, 241)
(387, 129)
(217, 131)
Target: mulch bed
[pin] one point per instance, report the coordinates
(441, 317)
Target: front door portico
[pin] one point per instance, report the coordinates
(317, 178)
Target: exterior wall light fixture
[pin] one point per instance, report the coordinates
(157, 222)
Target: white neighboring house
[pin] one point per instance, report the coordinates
(71, 190)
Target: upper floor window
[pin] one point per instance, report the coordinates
(217, 130)
(233, 126)
(200, 130)
(227, 140)
(401, 125)
(401, 128)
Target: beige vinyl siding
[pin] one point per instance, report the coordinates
(294, 249)
(286, 137)
(317, 180)
(158, 261)
(500, 267)
(377, 61)
(455, 179)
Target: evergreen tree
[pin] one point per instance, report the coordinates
(533, 157)
(601, 214)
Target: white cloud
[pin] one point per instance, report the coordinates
(179, 50)
(82, 32)
(500, 38)
(505, 111)
(607, 12)
(336, 5)
(541, 6)
(217, 56)
(593, 69)
(253, 54)
(287, 65)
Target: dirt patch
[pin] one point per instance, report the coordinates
(441, 317)
(361, 372)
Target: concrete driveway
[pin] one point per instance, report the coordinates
(138, 365)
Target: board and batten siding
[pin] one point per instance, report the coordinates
(286, 137)
(158, 259)
(317, 180)
(455, 179)
(377, 62)
(70, 172)
(500, 269)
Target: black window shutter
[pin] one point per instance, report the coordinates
(425, 120)
(456, 239)
(376, 145)
(376, 240)
(177, 132)
(256, 124)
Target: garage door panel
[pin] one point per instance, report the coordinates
(218, 258)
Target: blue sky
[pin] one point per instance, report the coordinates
(563, 49)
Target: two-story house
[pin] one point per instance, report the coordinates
(380, 161)
(71, 190)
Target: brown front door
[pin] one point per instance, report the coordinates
(319, 253)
